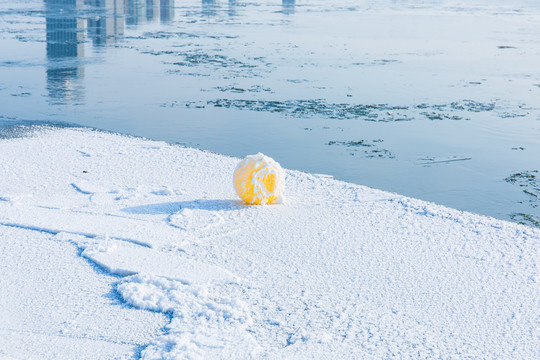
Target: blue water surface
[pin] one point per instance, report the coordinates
(437, 100)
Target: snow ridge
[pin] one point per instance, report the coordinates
(203, 326)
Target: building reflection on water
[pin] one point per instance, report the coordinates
(144, 11)
(232, 8)
(166, 11)
(65, 45)
(102, 23)
(287, 6)
(108, 25)
(209, 7)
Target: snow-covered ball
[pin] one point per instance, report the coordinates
(259, 180)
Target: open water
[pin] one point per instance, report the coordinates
(438, 100)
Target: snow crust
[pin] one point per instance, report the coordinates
(204, 326)
(139, 249)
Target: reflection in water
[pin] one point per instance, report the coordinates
(66, 28)
(232, 7)
(135, 12)
(288, 6)
(152, 10)
(109, 25)
(212, 7)
(209, 7)
(166, 13)
(143, 11)
(65, 44)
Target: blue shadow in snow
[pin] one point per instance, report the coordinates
(172, 207)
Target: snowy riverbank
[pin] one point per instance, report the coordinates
(96, 229)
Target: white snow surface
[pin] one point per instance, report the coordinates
(115, 247)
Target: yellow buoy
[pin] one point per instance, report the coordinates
(259, 180)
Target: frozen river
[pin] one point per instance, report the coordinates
(436, 100)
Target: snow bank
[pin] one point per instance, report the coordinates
(204, 326)
(339, 271)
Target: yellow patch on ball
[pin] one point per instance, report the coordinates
(259, 180)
